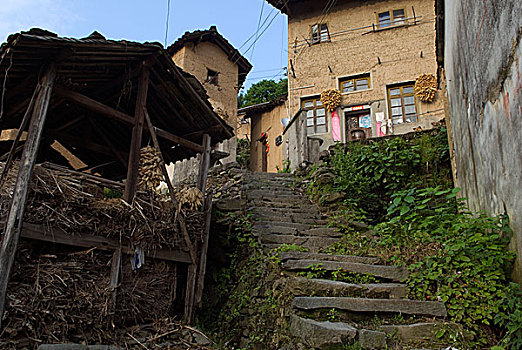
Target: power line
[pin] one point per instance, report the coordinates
(258, 24)
(167, 24)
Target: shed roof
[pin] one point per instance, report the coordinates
(107, 72)
(262, 107)
(213, 36)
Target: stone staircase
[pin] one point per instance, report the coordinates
(328, 314)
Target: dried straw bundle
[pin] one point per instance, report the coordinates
(426, 87)
(331, 99)
(150, 174)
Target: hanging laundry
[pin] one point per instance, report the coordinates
(336, 126)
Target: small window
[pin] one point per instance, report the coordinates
(391, 18)
(355, 83)
(315, 113)
(402, 104)
(320, 33)
(212, 77)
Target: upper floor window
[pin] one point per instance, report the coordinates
(212, 77)
(355, 83)
(315, 116)
(403, 108)
(391, 18)
(320, 33)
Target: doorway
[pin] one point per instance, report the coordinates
(357, 122)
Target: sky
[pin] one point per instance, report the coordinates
(145, 20)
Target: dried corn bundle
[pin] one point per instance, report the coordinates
(190, 197)
(331, 99)
(425, 87)
(150, 174)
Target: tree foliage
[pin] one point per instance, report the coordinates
(264, 91)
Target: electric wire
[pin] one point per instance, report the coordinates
(167, 24)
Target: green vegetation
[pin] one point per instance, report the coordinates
(403, 187)
(264, 91)
(243, 153)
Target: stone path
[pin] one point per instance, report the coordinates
(284, 216)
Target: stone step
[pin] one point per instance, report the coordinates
(266, 186)
(273, 193)
(322, 335)
(321, 287)
(275, 230)
(268, 224)
(394, 273)
(404, 306)
(272, 241)
(308, 211)
(284, 204)
(419, 332)
(321, 231)
(283, 198)
(327, 257)
(289, 218)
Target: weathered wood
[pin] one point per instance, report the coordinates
(115, 274)
(17, 204)
(108, 142)
(59, 236)
(190, 293)
(204, 165)
(110, 112)
(137, 133)
(188, 241)
(204, 249)
(21, 128)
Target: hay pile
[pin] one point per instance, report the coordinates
(59, 295)
(426, 87)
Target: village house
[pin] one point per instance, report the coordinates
(372, 53)
(266, 123)
(220, 68)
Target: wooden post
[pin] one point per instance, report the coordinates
(204, 165)
(189, 295)
(16, 208)
(137, 131)
(115, 274)
(204, 249)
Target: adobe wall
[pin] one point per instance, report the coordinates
(483, 63)
(270, 123)
(404, 53)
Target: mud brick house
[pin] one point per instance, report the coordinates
(266, 122)
(219, 67)
(372, 52)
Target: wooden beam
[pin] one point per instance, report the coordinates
(115, 274)
(137, 133)
(190, 293)
(110, 112)
(204, 165)
(203, 255)
(108, 142)
(59, 236)
(16, 208)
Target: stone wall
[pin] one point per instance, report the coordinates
(483, 63)
(392, 55)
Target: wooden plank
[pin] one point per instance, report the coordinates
(204, 165)
(190, 294)
(59, 236)
(16, 208)
(137, 133)
(108, 142)
(115, 274)
(204, 249)
(110, 112)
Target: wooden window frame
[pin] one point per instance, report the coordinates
(315, 107)
(393, 21)
(354, 79)
(402, 95)
(319, 38)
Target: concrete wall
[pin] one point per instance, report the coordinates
(355, 48)
(483, 63)
(270, 123)
(196, 59)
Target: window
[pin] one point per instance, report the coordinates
(355, 83)
(315, 116)
(401, 100)
(212, 77)
(320, 33)
(391, 18)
